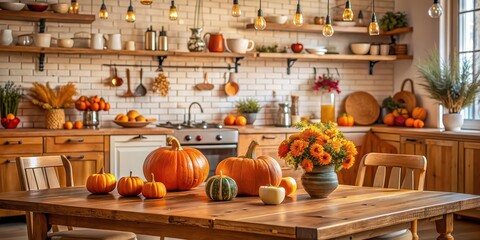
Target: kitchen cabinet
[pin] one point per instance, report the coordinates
(469, 165)
(128, 152)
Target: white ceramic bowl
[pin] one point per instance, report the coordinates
(277, 19)
(12, 6)
(360, 48)
(65, 42)
(60, 7)
(316, 50)
(344, 24)
(12, 1)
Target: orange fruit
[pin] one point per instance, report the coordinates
(409, 122)
(418, 123)
(241, 121)
(81, 106)
(229, 119)
(95, 106)
(78, 125)
(389, 119)
(10, 116)
(133, 114)
(101, 104)
(68, 125)
(107, 106)
(131, 119)
(122, 118)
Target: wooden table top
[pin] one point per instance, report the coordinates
(348, 210)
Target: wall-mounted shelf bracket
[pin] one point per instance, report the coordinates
(41, 62)
(290, 62)
(237, 60)
(41, 25)
(371, 65)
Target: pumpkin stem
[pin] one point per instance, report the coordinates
(221, 174)
(130, 173)
(174, 142)
(101, 171)
(153, 178)
(251, 150)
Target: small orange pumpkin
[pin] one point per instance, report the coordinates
(409, 122)
(250, 172)
(418, 123)
(419, 113)
(130, 186)
(154, 189)
(345, 120)
(289, 184)
(101, 182)
(400, 112)
(389, 119)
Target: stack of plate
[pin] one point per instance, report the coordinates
(317, 50)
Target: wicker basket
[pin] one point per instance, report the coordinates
(54, 118)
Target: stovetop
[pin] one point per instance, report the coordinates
(202, 133)
(181, 126)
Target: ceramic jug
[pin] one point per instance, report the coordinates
(114, 41)
(216, 43)
(6, 37)
(97, 41)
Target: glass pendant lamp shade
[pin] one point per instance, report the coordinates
(328, 28)
(146, 2)
(73, 9)
(347, 13)
(435, 10)
(298, 19)
(173, 14)
(130, 17)
(373, 28)
(103, 14)
(236, 11)
(260, 23)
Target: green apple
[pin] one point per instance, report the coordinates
(272, 194)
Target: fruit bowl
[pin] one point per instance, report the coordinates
(132, 124)
(10, 124)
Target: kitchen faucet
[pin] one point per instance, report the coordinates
(189, 123)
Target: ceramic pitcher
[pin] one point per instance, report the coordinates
(97, 41)
(216, 43)
(114, 41)
(6, 37)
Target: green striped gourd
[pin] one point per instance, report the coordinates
(221, 188)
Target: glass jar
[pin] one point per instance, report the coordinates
(327, 107)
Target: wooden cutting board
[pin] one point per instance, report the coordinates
(363, 107)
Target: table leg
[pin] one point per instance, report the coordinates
(445, 227)
(414, 230)
(40, 227)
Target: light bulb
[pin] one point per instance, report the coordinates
(373, 28)
(435, 10)
(236, 11)
(130, 17)
(327, 30)
(103, 12)
(173, 14)
(146, 2)
(73, 9)
(298, 19)
(260, 23)
(347, 13)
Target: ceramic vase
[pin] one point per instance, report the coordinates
(321, 181)
(327, 107)
(196, 43)
(251, 117)
(453, 121)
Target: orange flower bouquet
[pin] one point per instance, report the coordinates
(318, 144)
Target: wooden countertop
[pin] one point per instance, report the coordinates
(429, 132)
(29, 132)
(252, 129)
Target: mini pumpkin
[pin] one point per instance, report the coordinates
(400, 112)
(179, 168)
(250, 172)
(419, 113)
(154, 189)
(409, 122)
(289, 184)
(389, 119)
(345, 120)
(101, 182)
(130, 186)
(221, 188)
(418, 123)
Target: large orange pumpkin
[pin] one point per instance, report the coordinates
(250, 172)
(419, 113)
(179, 168)
(101, 182)
(130, 186)
(154, 189)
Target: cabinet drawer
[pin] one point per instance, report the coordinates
(21, 145)
(73, 144)
(267, 139)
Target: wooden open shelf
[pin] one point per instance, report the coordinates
(30, 16)
(328, 56)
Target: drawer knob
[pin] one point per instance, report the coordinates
(75, 140)
(140, 137)
(269, 137)
(13, 142)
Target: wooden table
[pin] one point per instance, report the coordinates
(349, 213)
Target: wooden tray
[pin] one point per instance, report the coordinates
(363, 107)
(132, 124)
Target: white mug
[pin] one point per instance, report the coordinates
(97, 41)
(239, 45)
(384, 49)
(130, 45)
(42, 39)
(6, 37)
(374, 49)
(114, 41)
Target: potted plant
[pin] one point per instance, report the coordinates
(10, 96)
(392, 20)
(451, 83)
(248, 107)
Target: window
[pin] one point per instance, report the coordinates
(469, 47)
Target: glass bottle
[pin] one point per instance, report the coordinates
(327, 108)
(294, 110)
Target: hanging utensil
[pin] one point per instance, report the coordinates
(141, 90)
(231, 88)
(116, 80)
(205, 85)
(129, 91)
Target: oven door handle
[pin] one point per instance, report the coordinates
(227, 146)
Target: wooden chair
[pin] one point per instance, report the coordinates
(47, 172)
(399, 171)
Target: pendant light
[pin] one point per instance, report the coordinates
(103, 14)
(435, 10)
(260, 23)
(173, 14)
(327, 28)
(130, 17)
(347, 13)
(373, 28)
(298, 19)
(236, 11)
(73, 9)
(146, 2)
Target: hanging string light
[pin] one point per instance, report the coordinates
(260, 23)
(348, 13)
(298, 19)
(435, 10)
(327, 28)
(103, 14)
(236, 11)
(373, 28)
(173, 14)
(130, 17)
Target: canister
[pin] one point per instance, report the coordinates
(150, 39)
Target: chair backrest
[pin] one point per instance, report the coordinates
(42, 172)
(394, 170)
